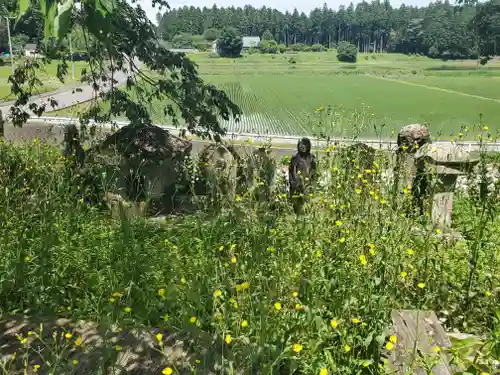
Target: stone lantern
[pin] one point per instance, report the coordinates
(439, 166)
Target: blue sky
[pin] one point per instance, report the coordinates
(283, 5)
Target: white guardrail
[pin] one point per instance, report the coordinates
(280, 139)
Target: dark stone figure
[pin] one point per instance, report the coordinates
(72, 145)
(302, 173)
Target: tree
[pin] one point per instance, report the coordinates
(230, 43)
(347, 52)
(267, 35)
(211, 34)
(118, 34)
(486, 24)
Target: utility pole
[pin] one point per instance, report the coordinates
(72, 61)
(10, 45)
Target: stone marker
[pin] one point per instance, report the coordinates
(410, 139)
(440, 165)
(419, 336)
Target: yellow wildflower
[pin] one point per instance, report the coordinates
(323, 371)
(35, 368)
(117, 295)
(334, 324)
(68, 335)
(389, 346)
(228, 339)
(277, 306)
(78, 341)
(127, 309)
(363, 260)
(487, 293)
(162, 292)
(421, 285)
(159, 337)
(410, 252)
(393, 339)
(404, 274)
(347, 348)
(193, 319)
(233, 260)
(485, 128)
(436, 349)
(118, 348)
(217, 293)
(355, 320)
(342, 240)
(297, 348)
(298, 306)
(75, 362)
(167, 371)
(244, 324)
(295, 294)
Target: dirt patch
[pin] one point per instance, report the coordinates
(62, 346)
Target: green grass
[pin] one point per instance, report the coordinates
(327, 283)
(385, 92)
(47, 75)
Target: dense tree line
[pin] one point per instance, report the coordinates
(440, 29)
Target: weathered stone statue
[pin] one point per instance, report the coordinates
(406, 172)
(141, 164)
(261, 173)
(359, 157)
(302, 173)
(219, 170)
(72, 145)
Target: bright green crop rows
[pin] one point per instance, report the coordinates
(279, 98)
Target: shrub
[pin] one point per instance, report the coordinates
(269, 46)
(317, 48)
(347, 52)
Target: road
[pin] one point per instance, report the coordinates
(68, 96)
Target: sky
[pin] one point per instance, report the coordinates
(283, 5)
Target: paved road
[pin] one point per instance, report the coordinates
(67, 97)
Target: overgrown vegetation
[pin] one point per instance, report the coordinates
(259, 287)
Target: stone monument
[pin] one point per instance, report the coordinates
(410, 139)
(440, 165)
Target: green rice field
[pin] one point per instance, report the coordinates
(377, 95)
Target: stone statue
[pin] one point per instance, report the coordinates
(219, 170)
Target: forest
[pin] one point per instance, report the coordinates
(439, 30)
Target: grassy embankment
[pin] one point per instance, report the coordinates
(252, 287)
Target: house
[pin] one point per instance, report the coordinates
(31, 51)
(251, 42)
(248, 42)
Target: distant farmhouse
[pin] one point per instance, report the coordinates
(30, 50)
(248, 42)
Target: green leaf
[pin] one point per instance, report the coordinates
(62, 21)
(24, 6)
(49, 12)
(105, 6)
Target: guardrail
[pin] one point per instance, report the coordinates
(284, 139)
